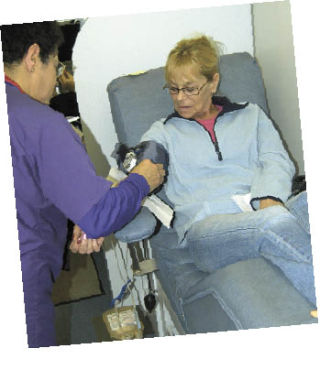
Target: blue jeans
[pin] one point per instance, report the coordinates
(280, 235)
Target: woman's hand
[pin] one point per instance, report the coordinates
(268, 202)
(80, 243)
(314, 314)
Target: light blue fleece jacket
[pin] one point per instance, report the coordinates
(254, 161)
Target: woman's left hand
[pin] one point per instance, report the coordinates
(268, 202)
(80, 243)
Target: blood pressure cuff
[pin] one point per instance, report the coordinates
(128, 158)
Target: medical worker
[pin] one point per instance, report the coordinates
(54, 178)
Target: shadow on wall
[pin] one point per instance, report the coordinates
(276, 125)
(95, 153)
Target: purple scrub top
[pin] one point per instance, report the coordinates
(54, 178)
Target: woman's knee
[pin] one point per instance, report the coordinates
(224, 247)
(298, 206)
(274, 217)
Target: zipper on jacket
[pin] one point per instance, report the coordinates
(217, 149)
(225, 103)
(215, 143)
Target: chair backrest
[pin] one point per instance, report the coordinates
(138, 100)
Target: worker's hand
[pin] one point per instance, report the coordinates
(268, 202)
(66, 82)
(153, 173)
(80, 244)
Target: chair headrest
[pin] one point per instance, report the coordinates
(139, 100)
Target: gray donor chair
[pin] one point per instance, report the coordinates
(246, 294)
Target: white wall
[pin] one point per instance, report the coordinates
(273, 42)
(108, 47)
(112, 46)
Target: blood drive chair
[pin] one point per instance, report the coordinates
(247, 294)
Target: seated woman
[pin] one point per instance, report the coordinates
(218, 149)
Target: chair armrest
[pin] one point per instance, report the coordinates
(141, 227)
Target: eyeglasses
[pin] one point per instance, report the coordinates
(189, 91)
(60, 69)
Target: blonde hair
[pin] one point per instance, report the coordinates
(200, 50)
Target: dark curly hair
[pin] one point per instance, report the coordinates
(17, 38)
